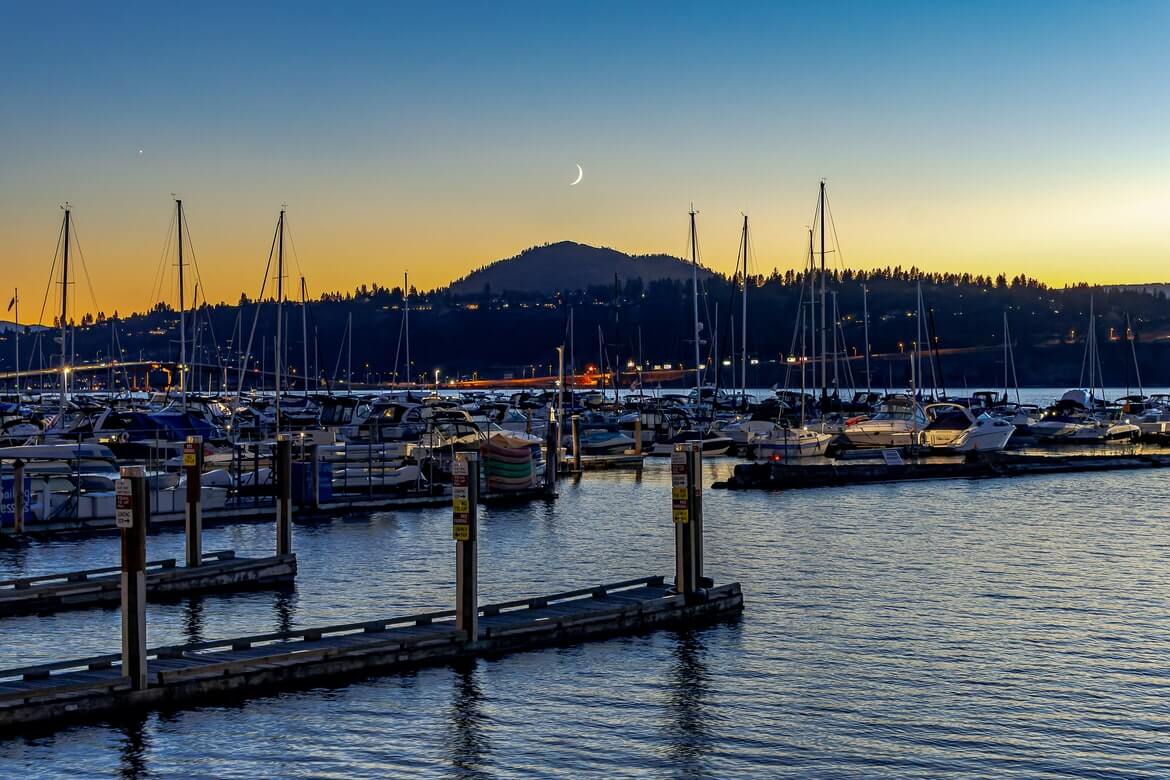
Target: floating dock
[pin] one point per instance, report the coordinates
(781, 475)
(47, 695)
(263, 511)
(220, 571)
(602, 462)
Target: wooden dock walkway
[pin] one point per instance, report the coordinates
(220, 571)
(46, 695)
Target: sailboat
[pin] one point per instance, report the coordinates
(1080, 416)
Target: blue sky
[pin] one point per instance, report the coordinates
(436, 137)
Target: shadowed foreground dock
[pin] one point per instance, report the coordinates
(49, 694)
(219, 571)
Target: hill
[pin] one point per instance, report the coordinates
(567, 265)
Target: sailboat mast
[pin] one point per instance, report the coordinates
(804, 349)
(406, 320)
(349, 353)
(812, 302)
(836, 348)
(182, 310)
(743, 323)
(695, 301)
(824, 320)
(16, 317)
(277, 345)
(305, 336)
(917, 357)
(64, 313)
(1005, 357)
(1129, 334)
(865, 319)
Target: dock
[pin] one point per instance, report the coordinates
(626, 460)
(795, 475)
(219, 571)
(245, 511)
(47, 695)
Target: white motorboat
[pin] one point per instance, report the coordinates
(792, 443)
(897, 423)
(953, 427)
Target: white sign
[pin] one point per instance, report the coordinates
(122, 487)
(459, 467)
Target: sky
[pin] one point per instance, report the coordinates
(1023, 137)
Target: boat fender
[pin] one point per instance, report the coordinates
(857, 419)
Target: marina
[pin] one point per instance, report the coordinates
(466, 391)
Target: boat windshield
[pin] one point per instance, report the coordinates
(895, 412)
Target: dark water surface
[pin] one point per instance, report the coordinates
(1007, 628)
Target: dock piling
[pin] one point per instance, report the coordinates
(133, 514)
(193, 465)
(283, 476)
(314, 476)
(577, 443)
(465, 532)
(638, 434)
(686, 475)
(552, 446)
(18, 496)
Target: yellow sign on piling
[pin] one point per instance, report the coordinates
(460, 501)
(680, 498)
(189, 458)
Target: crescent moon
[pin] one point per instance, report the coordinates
(580, 175)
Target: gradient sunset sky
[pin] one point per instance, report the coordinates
(435, 137)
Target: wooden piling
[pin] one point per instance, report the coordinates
(315, 476)
(133, 515)
(638, 434)
(697, 512)
(577, 443)
(686, 514)
(282, 473)
(552, 448)
(193, 466)
(18, 496)
(465, 531)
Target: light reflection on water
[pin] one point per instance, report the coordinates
(965, 628)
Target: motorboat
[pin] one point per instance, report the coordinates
(953, 427)
(897, 423)
(787, 442)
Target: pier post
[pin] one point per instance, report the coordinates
(465, 532)
(687, 513)
(193, 465)
(315, 475)
(132, 504)
(697, 513)
(577, 443)
(282, 474)
(18, 496)
(552, 446)
(638, 434)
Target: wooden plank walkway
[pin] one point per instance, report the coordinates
(48, 694)
(220, 571)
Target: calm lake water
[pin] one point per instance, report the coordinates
(1007, 628)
